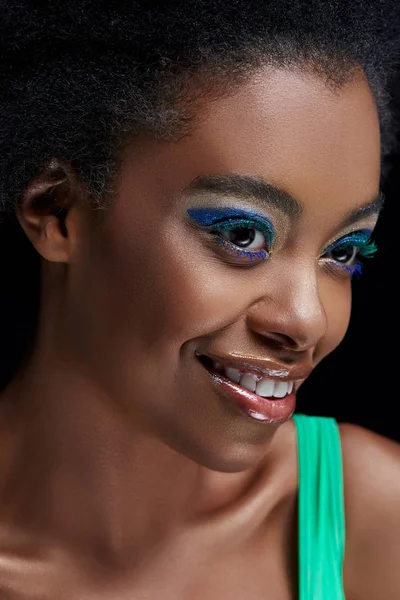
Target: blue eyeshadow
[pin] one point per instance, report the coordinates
(209, 216)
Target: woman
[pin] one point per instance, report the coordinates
(201, 182)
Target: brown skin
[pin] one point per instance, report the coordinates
(121, 473)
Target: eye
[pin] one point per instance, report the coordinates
(343, 254)
(245, 237)
(347, 254)
(245, 244)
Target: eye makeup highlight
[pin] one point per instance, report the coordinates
(236, 230)
(348, 252)
(248, 237)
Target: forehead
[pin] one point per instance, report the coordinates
(306, 138)
(320, 145)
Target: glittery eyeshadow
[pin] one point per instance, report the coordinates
(229, 218)
(223, 219)
(360, 238)
(365, 249)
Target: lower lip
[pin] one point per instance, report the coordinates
(264, 410)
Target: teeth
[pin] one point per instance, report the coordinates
(265, 387)
(248, 382)
(281, 389)
(233, 374)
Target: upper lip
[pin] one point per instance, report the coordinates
(262, 368)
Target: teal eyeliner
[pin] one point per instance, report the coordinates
(229, 219)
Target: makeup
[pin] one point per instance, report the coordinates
(258, 408)
(347, 252)
(241, 233)
(267, 396)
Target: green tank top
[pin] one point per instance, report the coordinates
(321, 508)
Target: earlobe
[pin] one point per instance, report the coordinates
(43, 208)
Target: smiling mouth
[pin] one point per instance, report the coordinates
(265, 387)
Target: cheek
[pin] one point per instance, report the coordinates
(184, 295)
(149, 294)
(336, 298)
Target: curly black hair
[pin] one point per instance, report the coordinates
(81, 78)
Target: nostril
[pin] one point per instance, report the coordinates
(277, 341)
(283, 341)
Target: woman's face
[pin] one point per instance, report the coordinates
(225, 267)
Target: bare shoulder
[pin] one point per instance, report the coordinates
(371, 471)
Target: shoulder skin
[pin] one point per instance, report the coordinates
(371, 470)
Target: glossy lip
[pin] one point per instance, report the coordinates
(271, 411)
(261, 368)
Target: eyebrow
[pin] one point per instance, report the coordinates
(367, 210)
(247, 187)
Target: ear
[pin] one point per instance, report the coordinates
(49, 210)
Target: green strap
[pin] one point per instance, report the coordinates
(321, 508)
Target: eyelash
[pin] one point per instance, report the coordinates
(358, 240)
(251, 224)
(218, 220)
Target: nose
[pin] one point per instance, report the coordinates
(291, 314)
